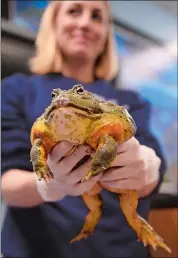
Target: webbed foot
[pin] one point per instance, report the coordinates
(149, 237)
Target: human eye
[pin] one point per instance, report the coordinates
(97, 16)
(75, 10)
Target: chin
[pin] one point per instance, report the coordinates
(82, 54)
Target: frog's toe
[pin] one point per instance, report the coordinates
(86, 177)
(46, 175)
(90, 174)
(149, 237)
(39, 175)
(82, 235)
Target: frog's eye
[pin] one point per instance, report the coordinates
(80, 90)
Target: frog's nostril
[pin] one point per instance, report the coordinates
(62, 102)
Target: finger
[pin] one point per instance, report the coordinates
(130, 184)
(67, 163)
(126, 158)
(86, 186)
(76, 175)
(58, 151)
(112, 174)
(129, 144)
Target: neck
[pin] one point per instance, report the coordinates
(82, 72)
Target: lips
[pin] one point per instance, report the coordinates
(81, 37)
(80, 40)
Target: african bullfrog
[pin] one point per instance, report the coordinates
(78, 116)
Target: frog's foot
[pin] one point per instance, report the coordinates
(105, 154)
(145, 233)
(92, 219)
(149, 237)
(46, 174)
(38, 159)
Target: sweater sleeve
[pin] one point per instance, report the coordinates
(141, 112)
(15, 147)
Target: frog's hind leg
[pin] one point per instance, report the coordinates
(105, 154)
(145, 233)
(93, 202)
(38, 159)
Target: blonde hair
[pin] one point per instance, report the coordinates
(49, 60)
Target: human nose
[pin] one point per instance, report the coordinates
(85, 21)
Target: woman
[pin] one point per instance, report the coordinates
(74, 45)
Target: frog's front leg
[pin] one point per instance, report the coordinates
(38, 158)
(105, 154)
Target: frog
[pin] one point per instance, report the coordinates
(78, 116)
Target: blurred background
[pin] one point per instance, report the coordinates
(146, 38)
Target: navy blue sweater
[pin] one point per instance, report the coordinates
(45, 231)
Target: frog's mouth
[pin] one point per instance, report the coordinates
(50, 111)
(57, 106)
(88, 110)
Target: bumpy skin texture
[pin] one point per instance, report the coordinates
(78, 116)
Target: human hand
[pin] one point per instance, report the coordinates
(66, 182)
(135, 167)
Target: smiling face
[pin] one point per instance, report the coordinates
(82, 28)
